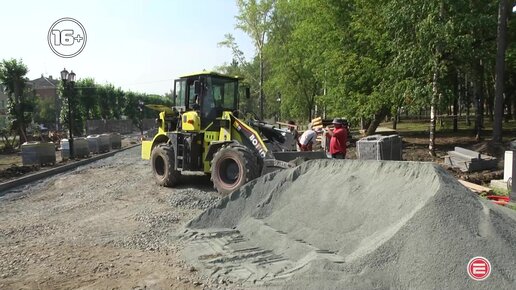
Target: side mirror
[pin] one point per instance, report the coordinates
(247, 93)
(197, 87)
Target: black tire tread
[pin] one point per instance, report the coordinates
(251, 161)
(172, 178)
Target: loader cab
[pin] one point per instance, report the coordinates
(207, 93)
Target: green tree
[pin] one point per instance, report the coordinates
(292, 45)
(503, 17)
(45, 111)
(131, 107)
(510, 60)
(119, 101)
(432, 42)
(86, 89)
(254, 18)
(364, 61)
(20, 107)
(247, 72)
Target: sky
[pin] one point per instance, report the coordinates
(134, 44)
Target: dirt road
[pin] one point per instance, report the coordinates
(103, 226)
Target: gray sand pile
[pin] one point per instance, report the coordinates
(355, 224)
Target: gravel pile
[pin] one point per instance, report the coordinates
(192, 199)
(357, 225)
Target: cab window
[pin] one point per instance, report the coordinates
(180, 89)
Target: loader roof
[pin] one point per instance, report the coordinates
(212, 73)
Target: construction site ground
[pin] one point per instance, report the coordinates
(11, 165)
(102, 226)
(107, 225)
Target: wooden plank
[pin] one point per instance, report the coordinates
(475, 187)
(317, 122)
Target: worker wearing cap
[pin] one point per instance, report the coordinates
(307, 139)
(339, 139)
(293, 129)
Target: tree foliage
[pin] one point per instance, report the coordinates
(365, 61)
(20, 103)
(103, 101)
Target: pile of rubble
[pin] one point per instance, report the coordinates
(354, 224)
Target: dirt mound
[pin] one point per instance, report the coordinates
(355, 224)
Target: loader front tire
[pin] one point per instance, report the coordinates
(233, 166)
(162, 159)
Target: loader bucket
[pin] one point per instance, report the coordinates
(304, 156)
(284, 160)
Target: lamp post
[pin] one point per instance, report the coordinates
(68, 83)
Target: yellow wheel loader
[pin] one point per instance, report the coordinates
(202, 133)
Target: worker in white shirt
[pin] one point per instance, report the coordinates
(307, 139)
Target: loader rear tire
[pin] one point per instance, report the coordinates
(162, 159)
(233, 166)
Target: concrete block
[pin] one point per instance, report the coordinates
(507, 165)
(498, 183)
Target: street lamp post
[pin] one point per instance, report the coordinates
(68, 84)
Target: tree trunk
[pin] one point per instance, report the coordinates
(455, 114)
(513, 107)
(478, 89)
(508, 106)
(501, 43)
(378, 117)
(457, 102)
(365, 123)
(309, 113)
(489, 99)
(467, 99)
(261, 97)
(23, 136)
(435, 92)
(395, 119)
(19, 113)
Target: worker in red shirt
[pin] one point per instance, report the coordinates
(339, 139)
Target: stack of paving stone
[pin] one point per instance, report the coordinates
(378, 147)
(469, 160)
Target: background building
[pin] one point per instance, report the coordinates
(46, 98)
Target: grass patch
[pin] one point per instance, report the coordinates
(500, 191)
(424, 125)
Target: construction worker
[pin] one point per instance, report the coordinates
(293, 129)
(307, 139)
(339, 139)
(196, 106)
